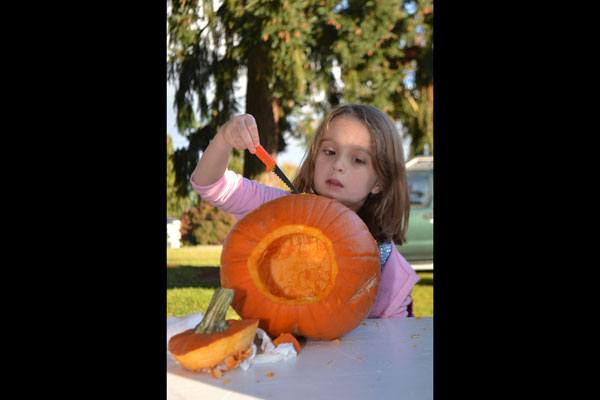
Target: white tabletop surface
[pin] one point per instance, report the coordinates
(380, 359)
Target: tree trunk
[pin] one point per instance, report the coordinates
(429, 131)
(422, 132)
(261, 104)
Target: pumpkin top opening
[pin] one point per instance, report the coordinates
(294, 264)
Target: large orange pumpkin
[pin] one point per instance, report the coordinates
(303, 264)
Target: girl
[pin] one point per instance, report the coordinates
(356, 158)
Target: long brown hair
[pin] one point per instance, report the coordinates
(386, 212)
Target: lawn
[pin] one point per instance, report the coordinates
(193, 275)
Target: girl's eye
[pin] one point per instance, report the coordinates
(328, 152)
(359, 161)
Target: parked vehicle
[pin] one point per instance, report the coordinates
(418, 248)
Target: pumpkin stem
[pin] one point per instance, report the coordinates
(214, 319)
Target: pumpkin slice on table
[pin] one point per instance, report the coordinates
(302, 264)
(215, 345)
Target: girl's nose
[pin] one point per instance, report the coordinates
(338, 164)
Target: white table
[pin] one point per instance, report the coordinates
(380, 359)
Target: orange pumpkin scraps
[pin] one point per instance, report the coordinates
(303, 264)
(287, 338)
(215, 345)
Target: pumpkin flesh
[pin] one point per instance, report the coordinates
(295, 264)
(198, 351)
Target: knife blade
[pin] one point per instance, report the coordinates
(266, 159)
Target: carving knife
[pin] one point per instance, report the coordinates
(266, 159)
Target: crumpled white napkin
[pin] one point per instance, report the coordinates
(266, 353)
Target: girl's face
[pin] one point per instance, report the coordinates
(344, 166)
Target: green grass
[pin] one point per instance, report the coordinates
(185, 301)
(423, 295)
(193, 276)
(194, 256)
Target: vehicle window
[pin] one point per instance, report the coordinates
(420, 189)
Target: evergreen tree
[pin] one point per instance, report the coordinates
(176, 204)
(289, 51)
(384, 50)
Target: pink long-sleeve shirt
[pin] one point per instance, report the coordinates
(237, 195)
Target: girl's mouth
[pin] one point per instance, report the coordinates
(334, 183)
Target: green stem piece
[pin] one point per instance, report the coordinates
(214, 319)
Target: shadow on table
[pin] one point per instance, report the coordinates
(192, 276)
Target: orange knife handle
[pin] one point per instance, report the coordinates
(265, 158)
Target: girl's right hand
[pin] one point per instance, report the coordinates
(240, 132)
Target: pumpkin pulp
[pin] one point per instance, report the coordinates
(294, 264)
